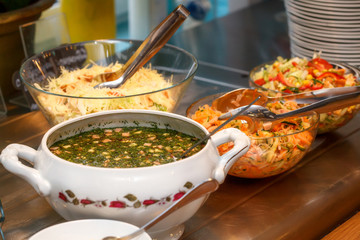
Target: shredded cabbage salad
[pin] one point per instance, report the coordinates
(297, 75)
(274, 148)
(84, 98)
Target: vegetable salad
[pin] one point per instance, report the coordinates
(274, 148)
(297, 75)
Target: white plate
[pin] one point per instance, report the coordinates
(323, 17)
(314, 8)
(337, 57)
(325, 39)
(336, 10)
(293, 34)
(296, 53)
(329, 48)
(305, 31)
(326, 49)
(89, 229)
(340, 4)
(326, 30)
(327, 24)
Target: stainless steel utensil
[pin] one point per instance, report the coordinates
(259, 113)
(244, 109)
(151, 45)
(242, 97)
(206, 187)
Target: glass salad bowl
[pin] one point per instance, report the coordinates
(273, 150)
(296, 75)
(61, 79)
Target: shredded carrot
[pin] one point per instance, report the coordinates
(272, 150)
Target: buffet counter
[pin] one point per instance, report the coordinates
(307, 202)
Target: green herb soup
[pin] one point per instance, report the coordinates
(126, 147)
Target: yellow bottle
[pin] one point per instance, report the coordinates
(90, 19)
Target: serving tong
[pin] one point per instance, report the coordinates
(243, 96)
(321, 101)
(150, 46)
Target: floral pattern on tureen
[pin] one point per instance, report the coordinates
(129, 200)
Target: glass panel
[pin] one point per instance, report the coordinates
(37, 36)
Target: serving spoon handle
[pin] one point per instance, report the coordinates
(327, 105)
(208, 186)
(242, 96)
(256, 113)
(232, 117)
(150, 46)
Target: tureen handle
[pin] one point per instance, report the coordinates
(10, 160)
(241, 146)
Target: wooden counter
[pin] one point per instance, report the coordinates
(350, 230)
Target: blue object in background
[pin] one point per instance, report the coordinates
(198, 9)
(202, 10)
(199, 12)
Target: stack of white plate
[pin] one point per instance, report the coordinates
(331, 27)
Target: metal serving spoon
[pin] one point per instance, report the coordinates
(242, 97)
(151, 45)
(233, 116)
(206, 187)
(258, 113)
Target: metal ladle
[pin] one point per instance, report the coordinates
(198, 191)
(150, 46)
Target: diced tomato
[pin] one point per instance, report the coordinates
(311, 71)
(288, 91)
(260, 81)
(320, 64)
(280, 78)
(329, 74)
(305, 86)
(294, 64)
(338, 80)
(340, 71)
(316, 86)
(272, 79)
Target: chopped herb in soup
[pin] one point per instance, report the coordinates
(125, 147)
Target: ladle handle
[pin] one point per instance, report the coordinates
(206, 187)
(327, 105)
(153, 43)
